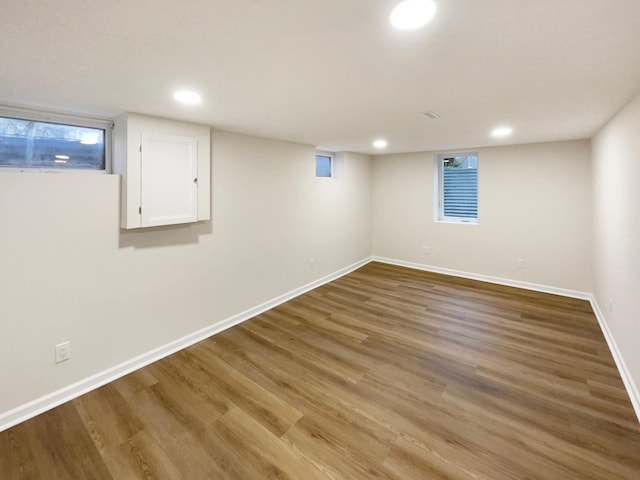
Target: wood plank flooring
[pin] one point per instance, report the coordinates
(386, 373)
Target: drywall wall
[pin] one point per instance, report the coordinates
(68, 273)
(616, 197)
(534, 203)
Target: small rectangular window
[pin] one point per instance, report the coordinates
(457, 187)
(324, 165)
(39, 143)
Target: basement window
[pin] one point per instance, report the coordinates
(456, 188)
(324, 165)
(42, 141)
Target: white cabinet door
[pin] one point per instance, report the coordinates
(169, 179)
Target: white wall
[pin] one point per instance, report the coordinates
(534, 203)
(67, 272)
(616, 200)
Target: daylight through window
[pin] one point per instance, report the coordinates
(26, 143)
(457, 188)
(324, 165)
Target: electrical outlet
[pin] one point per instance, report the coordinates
(521, 263)
(426, 250)
(63, 352)
(610, 305)
(312, 263)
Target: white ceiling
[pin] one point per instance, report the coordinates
(332, 73)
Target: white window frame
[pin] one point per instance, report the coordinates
(332, 163)
(438, 188)
(36, 115)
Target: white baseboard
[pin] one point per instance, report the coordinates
(487, 278)
(40, 405)
(627, 379)
(630, 385)
(47, 402)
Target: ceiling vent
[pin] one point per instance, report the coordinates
(431, 115)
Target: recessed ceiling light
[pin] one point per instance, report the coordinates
(501, 132)
(380, 143)
(187, 96)
(413, 14)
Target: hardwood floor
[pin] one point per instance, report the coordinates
(387, 373)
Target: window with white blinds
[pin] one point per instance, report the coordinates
(457, 192)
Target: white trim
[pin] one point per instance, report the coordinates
(36, 407)
(54, 116)
(467, 221)
(40, 405)
(627, 379)
(486, 278)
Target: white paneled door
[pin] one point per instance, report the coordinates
(169, 179)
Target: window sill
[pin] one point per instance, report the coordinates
(51, 170)
(458, 222)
